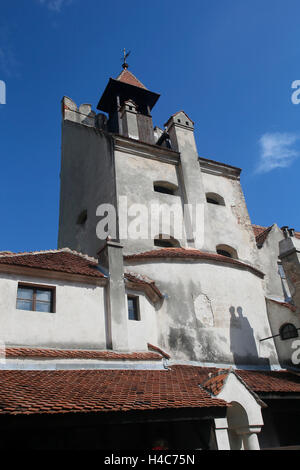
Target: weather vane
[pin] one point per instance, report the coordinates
(125, 65)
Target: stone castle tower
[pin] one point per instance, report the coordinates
(215, 310)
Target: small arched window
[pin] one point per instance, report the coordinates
(214, 198)
(166, 241)
(226, 250)
(165, 187)
(288, 331)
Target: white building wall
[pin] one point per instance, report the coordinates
(288, 349)
(135, 176)
(229, 224)
(79, 320)
(212, 313)
(268, 256)
(144, 330)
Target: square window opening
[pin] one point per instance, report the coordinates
(133, 308)
(36, 298)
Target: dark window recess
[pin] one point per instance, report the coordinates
(82, 218)
(224, 253)
(163, 189)
(133, 308)
(213, 198)
(288, 331)
(163, 243)
(35, 298)
(212, 201)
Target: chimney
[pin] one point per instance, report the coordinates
(111, 258)
(180, 130)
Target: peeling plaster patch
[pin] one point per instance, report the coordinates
(179, 340)
(210, 346)
(204, 311)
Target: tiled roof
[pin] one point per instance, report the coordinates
(262, 236)
(215, 382)
(257, 381)
(65, 391)
(271, 381)
(261, 233)
(143, 281)
(258, 229)
(46, 353)
(63, 260)
(160, 351)
(128, 77)
(188, 253)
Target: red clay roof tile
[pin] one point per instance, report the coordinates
(46, 353)
(64, 391)
(258, 229)
(261, 233)
(143, 282)
(214, 383)
(160, 351)
(63, 260)
(127, 77)
(271, 381)
(262, 236)
(188, 253)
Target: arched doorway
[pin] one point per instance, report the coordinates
(237, 423)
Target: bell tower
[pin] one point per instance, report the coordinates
(129, 103)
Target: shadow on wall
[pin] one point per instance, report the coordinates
(242, 341)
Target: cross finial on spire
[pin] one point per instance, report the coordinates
(125, 65)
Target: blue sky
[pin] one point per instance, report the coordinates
(229, 64)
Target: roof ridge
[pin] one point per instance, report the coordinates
(177, 112)
(41, 252)
(289, 305)
(14, 352)
(208, 255)
(139, 276)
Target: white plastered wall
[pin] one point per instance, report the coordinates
(135, 176)
(229, 224)
(212, 313)
(144, 330)
(79, 319)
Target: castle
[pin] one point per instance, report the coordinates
(186, 335)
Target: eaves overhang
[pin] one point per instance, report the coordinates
(52, 275)
(107, 102)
